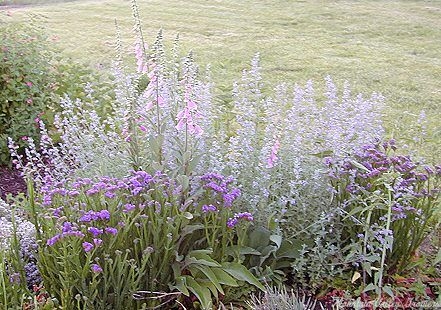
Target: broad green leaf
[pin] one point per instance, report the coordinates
(181, 285)
(184, 181)
(277, 239)
(210, 286)
(202, 293)
(208, 272)
(259, 237)
(240, 272)
(197, 252)
(323, 154)
(224, 278)
(207, 262)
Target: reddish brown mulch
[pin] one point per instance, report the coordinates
(11, 182)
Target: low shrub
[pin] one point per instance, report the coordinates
(25, 85)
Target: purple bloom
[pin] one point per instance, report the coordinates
(129, 207)
(110, 195)
(244, 216)
(73, 193)
(53, 240)
(104, 215)
(67, 227)
(95, 231)
(231, 222)
(111, 230)
(57, 212)
(87, 246)
(215, 187)
(92, 191)
(209, 208)
(96, 268)
(97, 242)
(87, 217)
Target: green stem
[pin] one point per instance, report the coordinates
(386, 244)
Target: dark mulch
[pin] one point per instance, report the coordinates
(11, 182)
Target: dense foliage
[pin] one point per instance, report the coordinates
(169, 200)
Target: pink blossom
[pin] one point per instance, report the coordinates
(142, 66)
(272, 159)
(29, 84)
(186, 118)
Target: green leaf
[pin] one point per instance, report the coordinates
(184, 181)
(187, 215)
(259, 237)
(277, 239)
(359, 166)
(388, 290)
(202, 293)
(207, 262)
(210, 286)
(240, 272)
(208, 272)
(181, 285)
(370, 287)
(290, 249)
(224, 278)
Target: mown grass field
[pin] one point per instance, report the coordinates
(393, 47)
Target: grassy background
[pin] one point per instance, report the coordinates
(393, 47)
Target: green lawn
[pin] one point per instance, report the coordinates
(393, 47)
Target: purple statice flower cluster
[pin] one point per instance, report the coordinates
(138, 182)
(209, 208)
(89, 216)
(407, 180)
(221, 186)
(68, 229)
(243, 216)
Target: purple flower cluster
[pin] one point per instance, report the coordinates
(221, 185)
(89, 216)
(68, 229)
(245, 216)
(138, 182)
(209, 208)
(406, 178)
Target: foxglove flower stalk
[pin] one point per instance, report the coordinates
(141, 57)
(187, 118)
(272, 158)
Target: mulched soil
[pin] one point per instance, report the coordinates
(11, 182)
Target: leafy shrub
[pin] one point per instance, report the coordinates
(25, 84)
(163, 118)
(33, 79)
